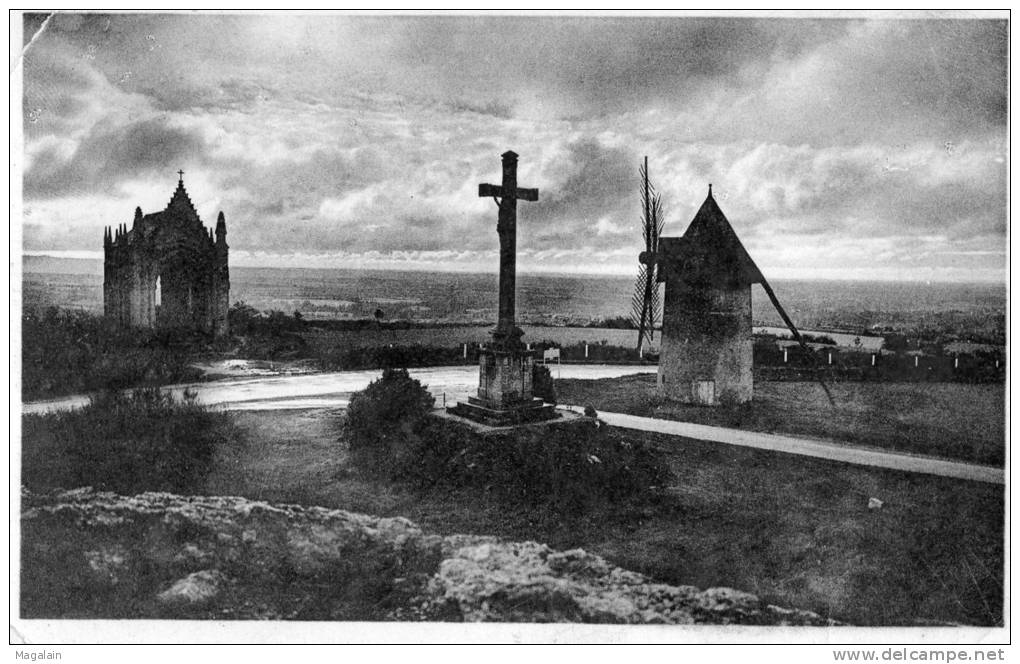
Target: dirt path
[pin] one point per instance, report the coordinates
(293, 452)
(805, 447)
(295, 456)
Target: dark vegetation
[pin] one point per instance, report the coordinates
(72, 351)
(542, 384)
(426, 355)
(842, 364)
(614, 323)
(67, 351)
(845, 364)
(271, 335)
(381, 357)
(598, 353)
(383, 416)
(568, 466)
(146, 440)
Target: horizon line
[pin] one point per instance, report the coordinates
(536, 272)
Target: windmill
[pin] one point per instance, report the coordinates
(707, 347)
(646, 306)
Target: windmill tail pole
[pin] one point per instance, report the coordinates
(641, 333)
(796, 335)
(647, 315)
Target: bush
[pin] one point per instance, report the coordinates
(542, 384)
(573, 466)
(246, 320)
(570, 465)
(146, 440)
(406, 355)
(386, 413)
(73, 351)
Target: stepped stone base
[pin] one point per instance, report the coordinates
(504, 391)
(523, 412)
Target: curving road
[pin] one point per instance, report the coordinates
(450, 384)
(333, 390)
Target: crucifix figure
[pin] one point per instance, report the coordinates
(181, 173)
(507, 334)
(506, 367)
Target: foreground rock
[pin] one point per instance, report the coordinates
(100, 555)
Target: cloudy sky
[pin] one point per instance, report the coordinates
(837, 148)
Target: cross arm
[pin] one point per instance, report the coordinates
(496, 191)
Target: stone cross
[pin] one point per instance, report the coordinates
(507, 334)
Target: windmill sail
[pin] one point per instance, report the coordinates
(646, 306)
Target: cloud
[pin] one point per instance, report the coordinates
(591, 182)
(110, 154)
(351, 135)
(882, 80)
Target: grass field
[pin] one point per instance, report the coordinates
(955, 420)
(795, 531)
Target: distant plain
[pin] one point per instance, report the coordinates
(541, 298)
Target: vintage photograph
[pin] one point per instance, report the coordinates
(443, 317)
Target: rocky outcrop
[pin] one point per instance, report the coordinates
(100, 555)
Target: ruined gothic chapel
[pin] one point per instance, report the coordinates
(168, 271)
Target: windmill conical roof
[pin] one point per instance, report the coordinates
(708, 251)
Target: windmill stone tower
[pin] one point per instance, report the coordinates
(706, 354)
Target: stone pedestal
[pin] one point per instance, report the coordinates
(504, 391)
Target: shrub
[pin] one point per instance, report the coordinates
(246, 320)
(570, 465)
(386, 412)
(72, 351)
(146, 440)
(542, 384)
(405, 355)
(573, 466)
(243, 318)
